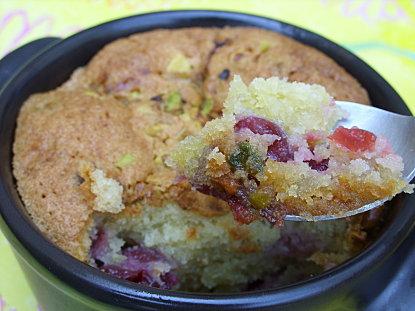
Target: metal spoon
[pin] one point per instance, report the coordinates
(398, 129)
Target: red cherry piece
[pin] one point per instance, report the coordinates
(274, 215)
(122, 273)
(137, 268)
(280, 150)
(259, 126)
(100, 244)
(320, 166)
(241, 213)
(143, 254)
(354, 139)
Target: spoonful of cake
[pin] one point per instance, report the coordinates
(288, 151)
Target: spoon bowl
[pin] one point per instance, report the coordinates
(398, 129)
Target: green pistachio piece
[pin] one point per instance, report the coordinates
(179, 64)
(235, 160)
(92, 94)
(264, 46)
(259, 200)
(125, 160)
(244, 157)
(238, 157)
(254, 164)
(154, 130)
(207, 107)
(173, 102)
(134, 94)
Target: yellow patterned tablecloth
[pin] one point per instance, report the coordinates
(381, 32)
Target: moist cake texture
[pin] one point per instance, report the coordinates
(275, 152)
(90, 163)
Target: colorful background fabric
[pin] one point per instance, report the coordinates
(381, 32)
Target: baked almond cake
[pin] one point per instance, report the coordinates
(275, 152)
(92, 161)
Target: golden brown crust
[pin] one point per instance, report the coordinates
(116, 106)
(69, 129)
(141, 61)
(251, 52)
(56, 132)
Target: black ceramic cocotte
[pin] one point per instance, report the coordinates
(379, 278)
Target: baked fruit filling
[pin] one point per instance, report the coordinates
(139, 264)
(95, 164)
(171, 248)
(276, 152)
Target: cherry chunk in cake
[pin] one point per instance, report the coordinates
(276, 151)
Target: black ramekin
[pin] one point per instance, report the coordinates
(62, 283)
